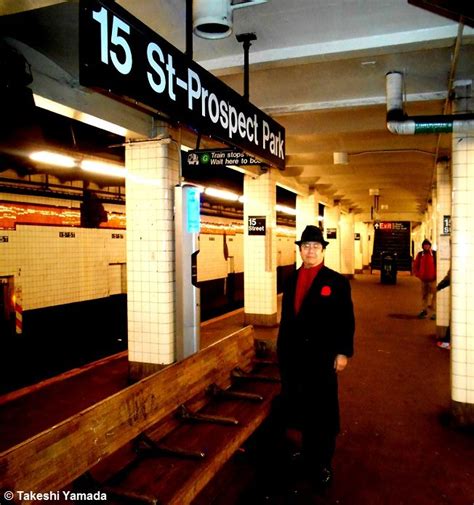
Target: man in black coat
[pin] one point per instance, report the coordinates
(314, 343)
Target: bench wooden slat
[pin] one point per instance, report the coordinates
(174, 481)
(57, 456)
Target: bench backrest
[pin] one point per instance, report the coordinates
(55, 457)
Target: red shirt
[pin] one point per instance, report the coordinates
(425, 266)
(306, 277)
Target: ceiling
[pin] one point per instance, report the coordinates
(318, 67)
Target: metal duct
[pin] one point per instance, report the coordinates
(213, 19)
(401, 124)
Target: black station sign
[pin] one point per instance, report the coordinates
(121, 55)
(331, 233)
(257, 225)
(446, 225)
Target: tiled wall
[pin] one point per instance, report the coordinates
(462, 286)
(210, 260)
(55, 270)
(286, 250)
(59, 265)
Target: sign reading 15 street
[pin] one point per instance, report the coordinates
(123, 56)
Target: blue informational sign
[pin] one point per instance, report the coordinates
(193, 201)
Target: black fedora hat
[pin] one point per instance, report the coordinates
(312, 234)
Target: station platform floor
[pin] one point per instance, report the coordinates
(397, 445)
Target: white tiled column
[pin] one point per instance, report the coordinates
(434, 216)
(369, 245)
(347, 244)
(260, 252)
(332, 256)
(462, 279)
(306, 214)
(153, 171)
(361, 255)
(443, 211)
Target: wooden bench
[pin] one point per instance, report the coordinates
(160, 440)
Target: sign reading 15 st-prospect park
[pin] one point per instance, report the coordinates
(121, 55)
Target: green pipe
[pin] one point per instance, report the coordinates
(442, 127)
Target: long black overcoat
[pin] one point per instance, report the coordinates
(307, 346)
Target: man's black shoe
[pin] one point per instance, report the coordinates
(326, 476)
(323, 479)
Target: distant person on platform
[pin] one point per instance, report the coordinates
(314, 344)
(424, 267)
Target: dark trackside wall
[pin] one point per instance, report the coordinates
(219, 296)
(59, 338)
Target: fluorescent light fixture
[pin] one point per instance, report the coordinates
(58, 160)
(99, 167)
(285, 209)
(63, 110)
(222, 194)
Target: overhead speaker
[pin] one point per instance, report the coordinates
(213, 19)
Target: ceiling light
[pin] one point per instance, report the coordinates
(58, 160)
(222, 194)
(285, 209)
(340, 158)
(100, 167)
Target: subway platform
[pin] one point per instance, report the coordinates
(397, 445)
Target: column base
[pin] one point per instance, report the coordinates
(138, 371)
(441, 331)
(462, 414)
(261, 319)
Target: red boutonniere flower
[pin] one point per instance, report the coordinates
(325, 291)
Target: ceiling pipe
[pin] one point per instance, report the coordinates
(401, 124)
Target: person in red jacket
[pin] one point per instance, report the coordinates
(424, 268)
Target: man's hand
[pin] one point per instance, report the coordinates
(340, 362)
